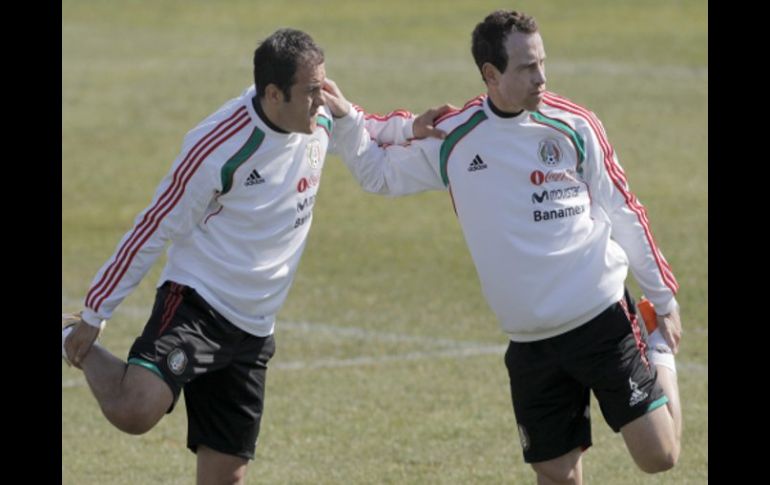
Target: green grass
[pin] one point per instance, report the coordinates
(382, 279)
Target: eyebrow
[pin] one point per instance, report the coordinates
(533, 63)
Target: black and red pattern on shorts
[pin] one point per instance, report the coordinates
(221, 368)
(551, 381)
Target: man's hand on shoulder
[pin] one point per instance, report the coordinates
(424, 124)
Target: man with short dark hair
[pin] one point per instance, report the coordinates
(552, 228)
(237, 207)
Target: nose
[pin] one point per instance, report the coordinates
(540, 76)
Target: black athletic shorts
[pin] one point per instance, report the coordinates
(551, 380)
(221, 368)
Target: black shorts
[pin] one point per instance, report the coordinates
(221, 368)
(551, 380)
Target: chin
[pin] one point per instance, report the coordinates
(534, 106)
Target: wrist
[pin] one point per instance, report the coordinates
(92, 319)
(671, 306)
(346, 111)
(409, 129)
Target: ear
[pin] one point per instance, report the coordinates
(490, 73)
(273, 94)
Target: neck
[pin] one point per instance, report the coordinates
(262, 113)
(500, 109)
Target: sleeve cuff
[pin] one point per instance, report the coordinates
(408, 130)
(348, 120)
(667, 308)
(91, 318)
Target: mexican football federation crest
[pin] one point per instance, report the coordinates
(314, 153)
(177, 361)
(549, 152)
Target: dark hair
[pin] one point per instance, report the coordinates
(277, 58)
(489, 35)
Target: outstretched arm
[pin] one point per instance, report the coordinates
(397, 128)
(631, 229)
(180, 202)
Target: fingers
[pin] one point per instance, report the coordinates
(444, 109)
(329, 83)
(79, 342)
(424, 125)
(434, 132)
(333, 98)
(328, 97)
(329, 86)
(329, 91)
(668, 336)
(671, 330)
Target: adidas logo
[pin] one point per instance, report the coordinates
(477, 164)
(637, 396)
(254, 178)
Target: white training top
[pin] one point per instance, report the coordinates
(544, 205)
(237, 206)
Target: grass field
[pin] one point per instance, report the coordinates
(389, 366)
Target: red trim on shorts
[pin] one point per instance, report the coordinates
(173, 300)
(640, 343)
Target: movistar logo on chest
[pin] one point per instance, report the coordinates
(477, 164)
(254, 179)
(555, 194)
(305, 203)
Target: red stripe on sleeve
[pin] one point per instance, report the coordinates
(374, 116)
(165, 202)
(618, 177)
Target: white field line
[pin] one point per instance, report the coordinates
(353, 332)
(441, 348)
(363, 333)
(468, 351)
(135, 311)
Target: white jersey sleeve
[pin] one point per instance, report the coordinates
(180, 202)
(394, 128)
(628, 218)
(387, 170)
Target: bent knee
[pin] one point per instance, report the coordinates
(136, 420)
(556, 473)
(135, 427)
(659, 462)
(135, 412)
(142, 401)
